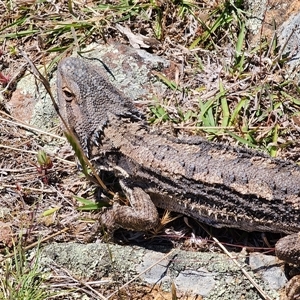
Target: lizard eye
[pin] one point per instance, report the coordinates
(68, 94)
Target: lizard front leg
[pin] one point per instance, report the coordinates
(141, 215)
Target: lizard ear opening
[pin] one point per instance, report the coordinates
(69, 96)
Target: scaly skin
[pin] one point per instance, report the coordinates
(217, 184)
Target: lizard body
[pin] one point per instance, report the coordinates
(217, 184)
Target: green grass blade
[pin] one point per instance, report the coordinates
(293, 99)
(90, 205)
(171, 84)
(240, 40)
(224, 106)
(241, 140)
(78, 152)
(204, 107)
(160, 114)
(51, 211)
(273, 148)
(237, 111)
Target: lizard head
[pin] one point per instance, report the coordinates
(87, 100)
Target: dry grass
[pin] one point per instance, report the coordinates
(35, 198)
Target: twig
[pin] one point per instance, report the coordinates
(35, 152)
(26, 126)
(17, 170)
(248, 276)
(85, 284)
(256, 285)
(28, 188)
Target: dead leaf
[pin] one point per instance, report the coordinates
(135, 40)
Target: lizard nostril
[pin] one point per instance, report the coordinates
(68, 94)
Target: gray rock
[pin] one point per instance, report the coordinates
(289, 38)
(270, 268)
(255, 14)
(212, 275)
(200, 282)
(157, 272)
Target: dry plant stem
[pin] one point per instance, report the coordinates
(61, 285)
(34, 152)
(26, 126)
(282, 49)
(17, 170)
(86, 284)
(253, 282)
(137, 276)
(259, 289)
(17, 149)
(46, 84)
(213, 93)
(99, 282)
(28, 188)
(35, 243)
(271, 43)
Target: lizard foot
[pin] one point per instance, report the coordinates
(142, 215)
